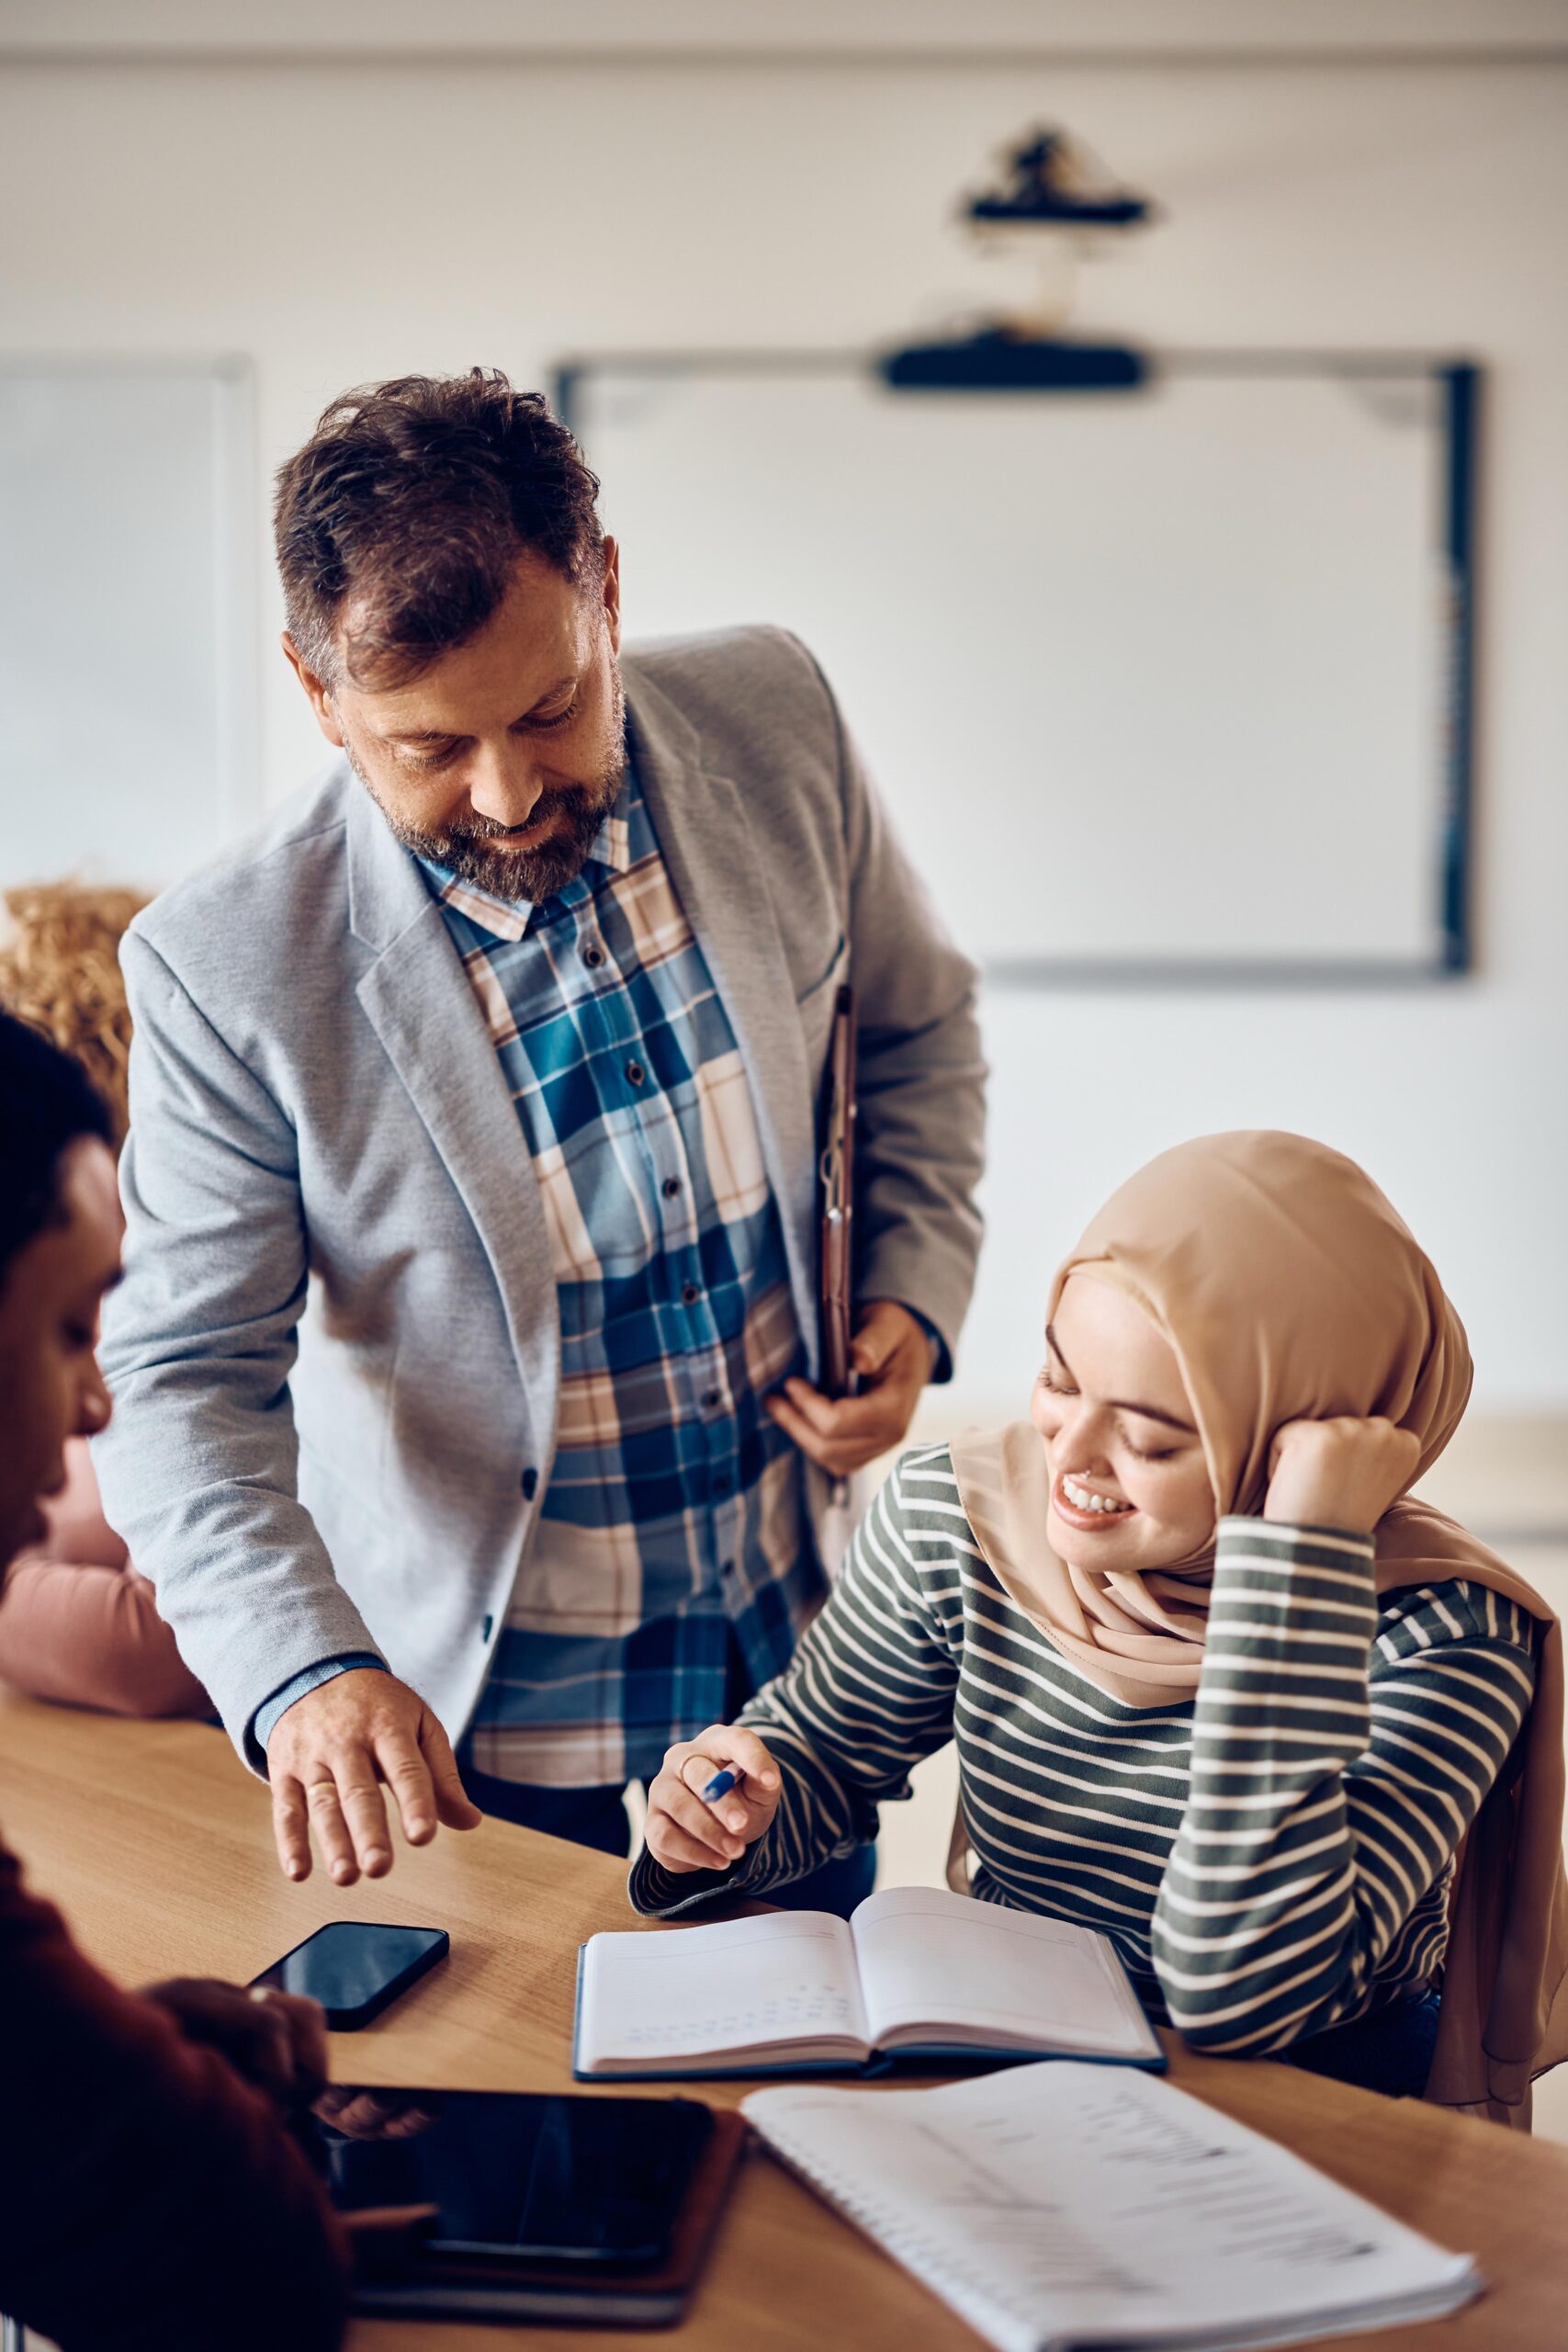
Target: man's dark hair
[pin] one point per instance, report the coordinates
(46, 1104)
(410, 504)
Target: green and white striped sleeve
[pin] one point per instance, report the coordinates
(869, 1692)
(1337, 1758)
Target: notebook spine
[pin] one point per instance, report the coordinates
(907, 2245)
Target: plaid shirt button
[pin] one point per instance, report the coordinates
(635, 1073)
(670, 1187)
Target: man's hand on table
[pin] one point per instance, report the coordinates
(892, 1353)
(277, 2041)
(328, 1759)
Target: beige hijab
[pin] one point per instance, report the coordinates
(1288, 1289)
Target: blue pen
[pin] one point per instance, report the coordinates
(721, 1784)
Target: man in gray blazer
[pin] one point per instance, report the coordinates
(466, 1364)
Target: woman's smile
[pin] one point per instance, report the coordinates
(1084, 1506)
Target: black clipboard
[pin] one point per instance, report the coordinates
(836, 1179)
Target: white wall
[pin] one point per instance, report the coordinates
(705, 29)
(345, 220)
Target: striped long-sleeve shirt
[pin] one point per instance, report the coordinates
(1269, 1859)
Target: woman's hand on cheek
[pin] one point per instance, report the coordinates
(1341, 1472)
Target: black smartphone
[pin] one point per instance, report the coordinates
(355, 1967)
(563, 2180)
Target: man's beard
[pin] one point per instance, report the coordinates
(476, 853)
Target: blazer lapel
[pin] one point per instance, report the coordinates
(418, 1000)
(709, 847)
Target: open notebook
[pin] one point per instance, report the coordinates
(1060, 2207)
(915, 1972)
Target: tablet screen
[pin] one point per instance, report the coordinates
(564, 2179)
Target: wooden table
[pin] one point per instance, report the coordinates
(157, 1846)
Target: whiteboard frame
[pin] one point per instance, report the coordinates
(1459, 381)
(237, 697)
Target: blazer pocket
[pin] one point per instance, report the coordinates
(838, 964)
(341, 1502)
(815, 1010)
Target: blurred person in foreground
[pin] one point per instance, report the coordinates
(155, 2196)
(77, 1624)
(503, 1043)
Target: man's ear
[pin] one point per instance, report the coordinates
(316, 694)
(613, 592)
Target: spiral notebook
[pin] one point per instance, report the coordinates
(916, 1971)
(1065, 2206)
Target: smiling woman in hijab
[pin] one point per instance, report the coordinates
(1220, 1688)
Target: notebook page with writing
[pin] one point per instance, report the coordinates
(1063, 2205)
(937, 1968)
(709, 1996)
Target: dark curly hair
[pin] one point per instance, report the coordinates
(59, 970)
(47, 1103)
(410, 502)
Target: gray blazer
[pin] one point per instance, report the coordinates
(318, 1112)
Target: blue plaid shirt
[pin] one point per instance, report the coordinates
(674, 1516)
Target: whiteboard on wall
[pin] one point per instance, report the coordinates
(129, 750)
(1156, 683)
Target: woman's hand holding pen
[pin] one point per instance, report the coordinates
(715, 1795)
